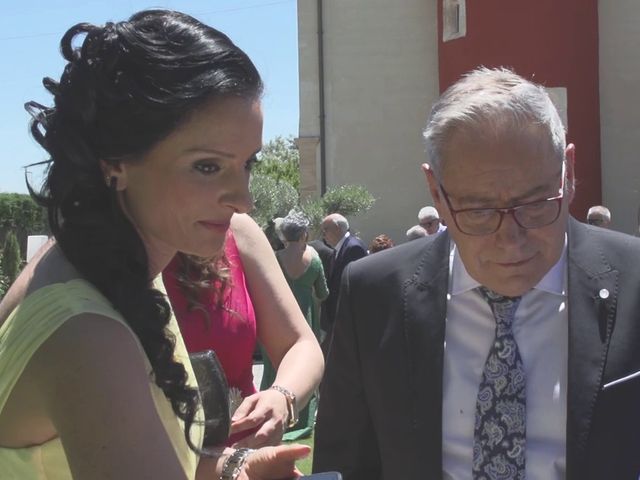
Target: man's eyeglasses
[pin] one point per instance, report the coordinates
(485, 221)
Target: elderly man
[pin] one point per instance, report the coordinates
(537, 373)
(416, 232)
(429, 219)
(599, 216)
(347, 247)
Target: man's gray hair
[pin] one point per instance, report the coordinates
(416, 232)
(495, 98)
(428, 213)
(600, 212)
(294, 226)
(340, 221)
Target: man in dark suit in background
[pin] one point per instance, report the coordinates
(327, 255)
(537, 372)
(325, 252)
(347, 247)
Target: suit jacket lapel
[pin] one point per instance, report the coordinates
(593, 287)
(425, 297)
(338, 258)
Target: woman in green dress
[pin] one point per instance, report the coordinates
(303, 270)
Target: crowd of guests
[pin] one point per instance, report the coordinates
(155, 124)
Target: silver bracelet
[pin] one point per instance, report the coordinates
(234, 462)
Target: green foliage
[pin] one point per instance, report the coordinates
(4, 281)
(11, 258)
(347, 200)
(280, 160)
(314, 211)
(18, 210)
(271, 197)
(275, 184)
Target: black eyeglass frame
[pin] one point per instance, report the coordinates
(507, 211)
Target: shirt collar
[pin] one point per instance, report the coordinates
(339, 244)
(553, 281)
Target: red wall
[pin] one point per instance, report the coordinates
(552, 42)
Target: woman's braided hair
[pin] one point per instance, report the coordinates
(125, 87)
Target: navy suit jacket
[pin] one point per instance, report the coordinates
(351, 249)
(380, 416)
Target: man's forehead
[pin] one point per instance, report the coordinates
(515, 185)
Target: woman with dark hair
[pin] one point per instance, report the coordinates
(155, 125)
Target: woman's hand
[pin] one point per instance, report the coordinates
(274, 462)
(265, 410)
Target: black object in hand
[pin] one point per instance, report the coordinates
(214, 393)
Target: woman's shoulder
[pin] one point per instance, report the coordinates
(72, 317)
(314, 258)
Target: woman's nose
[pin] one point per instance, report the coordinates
(237, 195)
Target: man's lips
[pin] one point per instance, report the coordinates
(517, 263)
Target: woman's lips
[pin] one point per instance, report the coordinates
(217, 226)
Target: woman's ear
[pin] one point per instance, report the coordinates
(115, 174)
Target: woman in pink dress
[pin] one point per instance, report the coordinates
(223, 319)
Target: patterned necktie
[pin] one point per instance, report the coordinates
(500, 426)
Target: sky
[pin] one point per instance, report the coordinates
(30, 32)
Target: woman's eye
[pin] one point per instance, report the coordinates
(207, 168)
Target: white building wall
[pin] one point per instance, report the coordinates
(381, 77)
(619, 32)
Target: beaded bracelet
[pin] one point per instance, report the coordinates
(291, 404)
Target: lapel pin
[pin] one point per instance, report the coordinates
(603, 294)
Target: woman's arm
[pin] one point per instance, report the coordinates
(282, 330)
(320, 288)
(94, 385)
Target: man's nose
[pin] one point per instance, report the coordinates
(510, 231)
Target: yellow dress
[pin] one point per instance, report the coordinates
(29, 325)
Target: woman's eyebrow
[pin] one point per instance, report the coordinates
(210, 151)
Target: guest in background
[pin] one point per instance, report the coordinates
(416, 232)
(302, 268)
(381, 242)
(429, 219)
(599, 216)
(348, 248)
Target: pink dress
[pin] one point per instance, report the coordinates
(231, 334)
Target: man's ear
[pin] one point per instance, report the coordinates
(570, 158)
(432, 185)
(115, 171)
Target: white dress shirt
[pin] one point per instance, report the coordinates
(339, 244)
(541, 330)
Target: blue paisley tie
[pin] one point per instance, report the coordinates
(500, 426)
